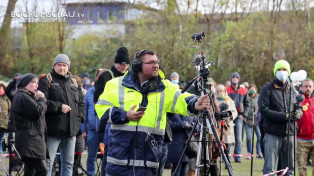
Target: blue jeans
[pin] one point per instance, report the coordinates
(2, 136)
(93, 140)
(66, 147)
(248, 130)
(238, 137)
(164, 153)
(277, 147)
(258, 138)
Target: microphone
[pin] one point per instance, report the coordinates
(223, 106)
(300, 98)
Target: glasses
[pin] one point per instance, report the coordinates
(152, 63)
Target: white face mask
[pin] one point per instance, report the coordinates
(282, 75)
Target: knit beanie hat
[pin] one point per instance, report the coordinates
(63, 58)
(174, 74)
(17, 75)
(86, 75)
(25, 80)
(282, 64)
(122, 56)
(235, 75)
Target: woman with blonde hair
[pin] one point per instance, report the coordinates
(222, 96)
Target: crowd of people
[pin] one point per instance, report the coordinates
(142, 120)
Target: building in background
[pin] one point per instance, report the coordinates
(106, 17)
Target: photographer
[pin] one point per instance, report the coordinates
(29, 108)
(222, 96)
(274, 103)
(137, 133)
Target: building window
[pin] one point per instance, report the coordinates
(111, 16)
(100, 16)
(90, 16)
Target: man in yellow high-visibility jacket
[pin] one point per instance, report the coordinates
(136, 133)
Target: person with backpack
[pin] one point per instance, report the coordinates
(65, 112)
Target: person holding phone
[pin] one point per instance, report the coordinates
(137, 135)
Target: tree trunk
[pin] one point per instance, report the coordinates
(4, 33)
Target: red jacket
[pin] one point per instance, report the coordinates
(306, 123)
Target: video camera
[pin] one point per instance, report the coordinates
(224, 113)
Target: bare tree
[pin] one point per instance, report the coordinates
(5, 28)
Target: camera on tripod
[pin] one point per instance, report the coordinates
(223, 115)
(198, 36)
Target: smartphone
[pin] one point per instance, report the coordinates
(141, 109)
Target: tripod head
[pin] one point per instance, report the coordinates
(200, 61)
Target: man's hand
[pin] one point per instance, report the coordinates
(65, 108)
(84, 135)
(241, 116)
(133, 115)
(202, 103)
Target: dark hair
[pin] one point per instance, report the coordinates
(139, 55)
(253, 85)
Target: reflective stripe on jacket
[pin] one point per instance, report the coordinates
(135, 143)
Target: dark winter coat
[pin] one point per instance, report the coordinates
(29, 118)
(253, 108)
(273, 103)
(178, 125)
(103, 79)
(63, 90)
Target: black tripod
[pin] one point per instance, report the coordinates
(205, 116)
(14, 163)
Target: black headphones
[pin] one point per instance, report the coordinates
(137, 64)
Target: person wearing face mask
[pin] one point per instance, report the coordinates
(174, 78)
(28, 108)
(239, 95)
(273, 102)
(250, 122)
(86, 81)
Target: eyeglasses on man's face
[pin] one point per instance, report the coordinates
(151, 63)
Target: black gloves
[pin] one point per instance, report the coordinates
(295, 116)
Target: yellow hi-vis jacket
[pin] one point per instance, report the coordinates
(135, 143)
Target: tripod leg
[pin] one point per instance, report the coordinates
(198, 157)
(228, 165)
